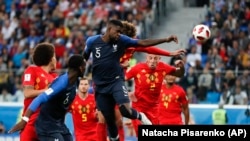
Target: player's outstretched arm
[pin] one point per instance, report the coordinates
(158, 51)
(33, 106)
(55, 89)
(152, 42)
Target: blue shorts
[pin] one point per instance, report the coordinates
(107, 96)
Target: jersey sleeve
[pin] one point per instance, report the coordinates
(55, 88)
(129, 42)
(29, 77)
(152, 50)
(183, 96)
(87, 50)
(130, 73)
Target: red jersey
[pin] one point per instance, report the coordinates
(127, 55)
(148, 84)
(40, 79)
(84, 118)
(170, 108)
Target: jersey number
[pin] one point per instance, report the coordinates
(97, 53)
(84, 117)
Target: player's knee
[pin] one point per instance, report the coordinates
(119, 122)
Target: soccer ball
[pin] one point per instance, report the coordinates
(201, 33)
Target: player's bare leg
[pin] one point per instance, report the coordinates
(119, 123)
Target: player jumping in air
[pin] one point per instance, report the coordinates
(130, 30)
(108, 76)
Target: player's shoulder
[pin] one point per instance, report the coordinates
(180, 88)
(161, 63)
(91, 96)
(93, 38)
(125, 38)
(141, 65)
(122, 36)
(53, 74)
(32, 68)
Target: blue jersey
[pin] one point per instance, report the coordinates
(54, 105)
(106, 57)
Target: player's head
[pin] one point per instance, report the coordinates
(170, 79)
(77, 62)
(152, 60)
(44, 55)
(114, 29)
(129, 29)
(83, 85)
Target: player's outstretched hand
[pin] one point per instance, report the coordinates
(172, 38)
(179, 63)
(19, 126)
(178, 52)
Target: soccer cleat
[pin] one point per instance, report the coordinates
(144, 119)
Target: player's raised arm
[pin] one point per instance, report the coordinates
(158, 51)
(56, 87)
(152, 42)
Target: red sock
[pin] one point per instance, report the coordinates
(121, 133)
(101, 132)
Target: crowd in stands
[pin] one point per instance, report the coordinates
(219, 70)
(65, 23)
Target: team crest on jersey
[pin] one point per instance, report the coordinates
(114, 47)
(27, 77)
(152, 77)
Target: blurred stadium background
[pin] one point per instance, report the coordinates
(216, 72)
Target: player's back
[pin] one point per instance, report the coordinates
(38, 78)
(84, 117)
(52, 113)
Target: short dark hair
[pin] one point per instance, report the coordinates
(128, 29)
(75, 61)
(43, 53)
(115, 22)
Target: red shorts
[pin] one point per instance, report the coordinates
(28, 133)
